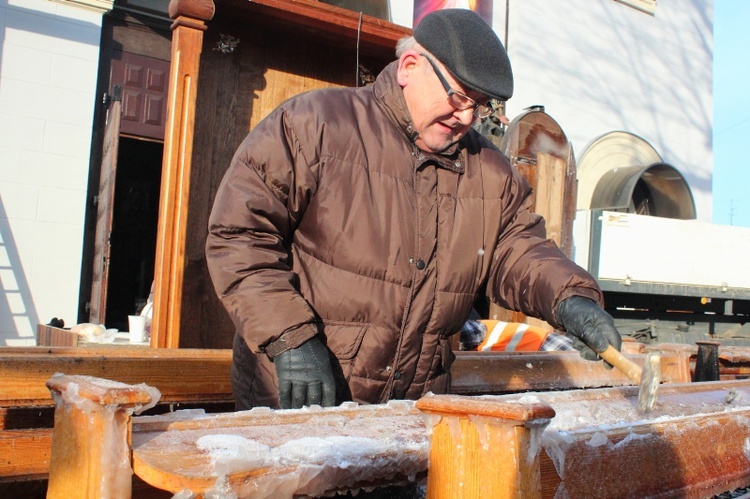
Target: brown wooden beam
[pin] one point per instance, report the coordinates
(182, 375)
(482, 373)
(185, 377)
(324, 20)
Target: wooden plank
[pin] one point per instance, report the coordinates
(480, 373)
(25, 454)
(550, 194)
(186, 378)
(198, 378)
(549, 202)
(55, 336)
(291, 456)
(690, 445)
(182, 375)
(105, 212)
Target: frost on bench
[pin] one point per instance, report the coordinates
(694, 443)
(90, 453)
(263, 453)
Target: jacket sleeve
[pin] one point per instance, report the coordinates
(258, 205)
(529, 273)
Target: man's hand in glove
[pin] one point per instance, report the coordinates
(592, 328)
(305, 376)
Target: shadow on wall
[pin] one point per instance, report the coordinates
(18, 317)
(594, 72)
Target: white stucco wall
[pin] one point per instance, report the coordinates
(48, 71)
(599, 66)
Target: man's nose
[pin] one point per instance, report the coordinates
(465, 116)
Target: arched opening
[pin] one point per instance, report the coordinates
(620, 171)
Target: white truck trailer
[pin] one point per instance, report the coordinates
(657, 271)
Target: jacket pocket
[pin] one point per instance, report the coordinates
(344, 338)
(444, 357)
(363, 350)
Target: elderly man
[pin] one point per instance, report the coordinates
(355, 228)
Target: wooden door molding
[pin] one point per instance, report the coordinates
(104, 209)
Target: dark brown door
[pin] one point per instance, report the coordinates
(144, 83)
(104, 202)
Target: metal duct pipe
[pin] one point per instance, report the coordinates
(658, 190)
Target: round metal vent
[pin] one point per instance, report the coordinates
(620, 171)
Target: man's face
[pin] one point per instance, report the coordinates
(438, 122)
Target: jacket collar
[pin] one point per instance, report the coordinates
(390, 97)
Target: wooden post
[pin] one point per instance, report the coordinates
(484, 447)
(91, 439)
(550, 194)
(187, 41)
(707, 361)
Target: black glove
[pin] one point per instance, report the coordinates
(592, 328)
(305, 376)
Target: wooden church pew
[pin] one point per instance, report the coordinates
(200, 378)
(583, 443)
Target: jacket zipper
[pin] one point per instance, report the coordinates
(388, 392)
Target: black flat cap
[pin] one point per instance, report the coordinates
(468, 47)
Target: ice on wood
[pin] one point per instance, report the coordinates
(320, 451)
(696, 433)
(95, 413)
(315, 451)
(311, 451)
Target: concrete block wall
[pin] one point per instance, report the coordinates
(49, 54)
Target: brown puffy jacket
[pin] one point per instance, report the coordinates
(329, 218)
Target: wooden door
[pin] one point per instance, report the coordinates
(538, 148)
(144, 82)
(104, 203)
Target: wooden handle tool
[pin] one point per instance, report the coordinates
(647, 378)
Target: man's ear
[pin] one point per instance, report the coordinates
(406, 65)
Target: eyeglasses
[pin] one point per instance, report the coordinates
(457, 99)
